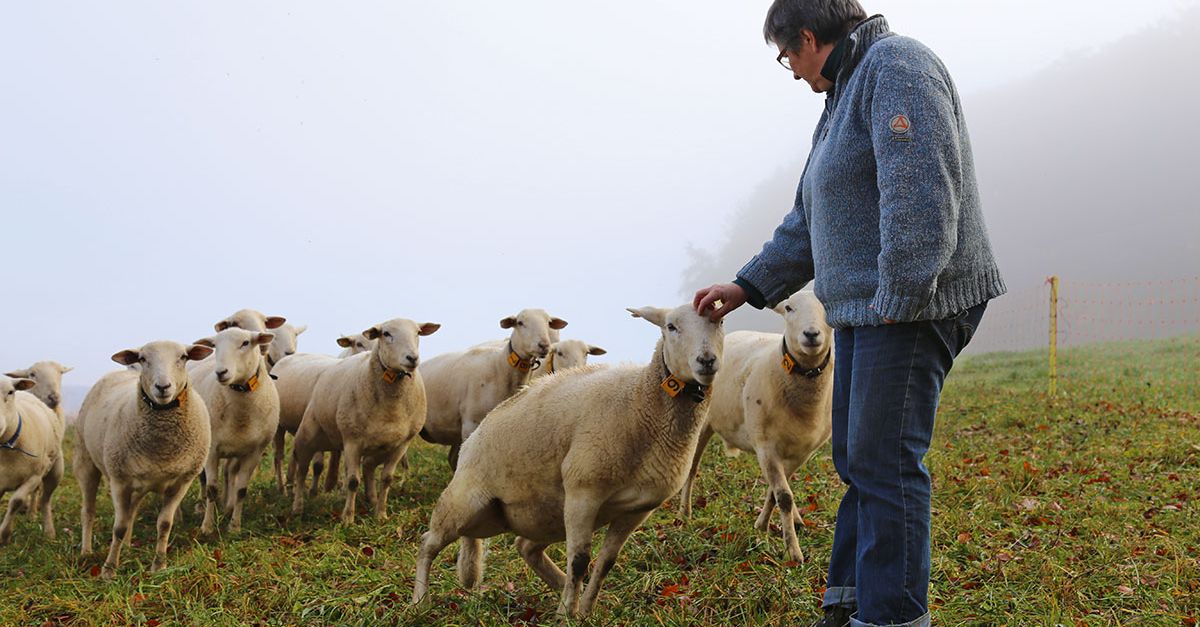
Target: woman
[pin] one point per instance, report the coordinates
(887, 220)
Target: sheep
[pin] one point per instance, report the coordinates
(566, 354)
(286, 338)
(243, 409)
(464, 386)
(370, 406)
(774, 398)
(147, 431)
(574, 452)
(31, 454)
(48, 376)
(354, 344)
(297, 377)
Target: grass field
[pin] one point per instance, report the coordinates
(1080, 511)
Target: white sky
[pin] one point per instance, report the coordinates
(163, 165)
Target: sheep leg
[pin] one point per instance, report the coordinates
(133, 513)
(318, 466)
(301, 457)
(35, 502)
(534, 554)
(231, 470)
(432, 543)
(16, 504)
(618, 532)
(49, 485)
(172, 497)
(331, 476)
(579, 518)
(385, 481)
(245, 471)
(764, 519)
(123, 500)
(353, 458)
(370, 487)
(777, 480)
(88, 477)
(209, 482)
(685, 498)
(278, 442)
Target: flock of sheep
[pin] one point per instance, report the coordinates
(542, 445)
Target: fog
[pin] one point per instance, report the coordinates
(164, 165)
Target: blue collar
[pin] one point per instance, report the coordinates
(11, 444)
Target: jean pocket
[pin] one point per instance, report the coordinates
(966, 323)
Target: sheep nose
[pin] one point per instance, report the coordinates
(412, 359)
(162, 388)
(707, 362)
(544, 345)
(222, 373)
(812, 335)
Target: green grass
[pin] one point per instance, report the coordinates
(1076, 511)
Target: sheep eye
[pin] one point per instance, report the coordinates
(672, 328)
(245, 343)
(183, 357)
(141, 360)
(520, 324)
(359, 344)
(33, 375)
(387, 335)
(10, 392)
(787, 308)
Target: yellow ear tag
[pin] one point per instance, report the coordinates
(516, 362)
(788, 363)
(389, 376)
(252, 384)
(672, 386)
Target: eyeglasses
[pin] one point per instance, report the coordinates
(784, 60)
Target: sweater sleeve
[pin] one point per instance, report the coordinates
(915, 136)
(784, 264)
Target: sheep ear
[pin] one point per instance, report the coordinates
(654, 315)
(557, 323)
(301, 329)
(206, 341)
(428, 328)
(596, 350)
(508, 322)
(23, 384)
(65, 369)
(126, 357)
(263, 339)
(17, 374)
(222, 325)
(372, 333)
(196, 352)
(274, 322)
(779, 309)
(345, 342)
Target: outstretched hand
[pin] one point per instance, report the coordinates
(729, 295)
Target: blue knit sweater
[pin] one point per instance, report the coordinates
(887, 217)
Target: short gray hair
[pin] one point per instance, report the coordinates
(829, 20)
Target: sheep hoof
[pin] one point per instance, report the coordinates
(107, 572)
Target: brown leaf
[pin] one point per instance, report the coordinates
(964, 537)
(368, 551)
(1123, 589)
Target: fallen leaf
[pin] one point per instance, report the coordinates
(964, 537)
(1123, 589)
(368, 551)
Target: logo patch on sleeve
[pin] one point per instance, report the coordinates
(900, 126)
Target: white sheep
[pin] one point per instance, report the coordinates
(243, 409)
(774, 398)
(296, 378)
(464, 386)
(48, 376)
(31, 454)
(566, 354)
(369, 406)
(146, 430)
(354, 344)
(285, 343)
(574, 452)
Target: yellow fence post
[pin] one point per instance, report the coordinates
(1053, 335)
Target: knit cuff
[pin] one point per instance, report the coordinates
(754, 298)
(899, 307)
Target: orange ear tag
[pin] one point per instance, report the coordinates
(252, 384)
(389, 376)
(788, 363)
(672, 386)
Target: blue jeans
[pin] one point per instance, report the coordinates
(886, 385)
